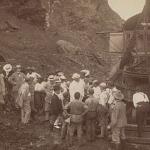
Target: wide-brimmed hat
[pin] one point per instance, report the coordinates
(103, 85)
(95, 81)
(86, 72)
(118, 95)
(7, 67)
(60, 73)
(75, 76)
(63, 78)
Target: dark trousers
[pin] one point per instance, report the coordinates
(91, 129)
(39, 100)
(53, 118)
(141, 115)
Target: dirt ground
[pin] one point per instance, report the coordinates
(37, 136)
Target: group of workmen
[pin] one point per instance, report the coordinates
(79, 106)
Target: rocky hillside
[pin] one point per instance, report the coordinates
(56, 34)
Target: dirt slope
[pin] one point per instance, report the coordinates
(29, 30)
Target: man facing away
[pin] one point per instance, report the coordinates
(141, 104)
(118, 119)
(91, 116)
(77, 111)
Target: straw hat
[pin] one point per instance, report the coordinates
(63, 78)
(60, 74)
(75, 76)
(7, 67)
(86, 72)
(118, 95)
(95, 81)
(103, 85)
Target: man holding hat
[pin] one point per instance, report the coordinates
(118, 119)
(76, 86)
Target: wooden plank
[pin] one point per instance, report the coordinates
(137, 140)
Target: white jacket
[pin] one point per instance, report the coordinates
(76, 87)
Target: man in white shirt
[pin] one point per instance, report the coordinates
(76, 85)
(141, 104)
(103, 110)
(104, 96)
(96, 88)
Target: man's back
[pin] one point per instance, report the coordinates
(119, 114)
(76, 107)
(92, 103)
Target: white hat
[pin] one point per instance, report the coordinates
(51, 77)
(95, 81)
(18, 66)
(7, 67)
(86, 72)
(60, 74)
(63, 77)
(103, 84)
(114, 89)
(75, 76)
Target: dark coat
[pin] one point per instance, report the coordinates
(56, 105)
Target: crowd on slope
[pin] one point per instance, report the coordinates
(78, 106)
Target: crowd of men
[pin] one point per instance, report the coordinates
(78, 106)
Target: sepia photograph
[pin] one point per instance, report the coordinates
(74, 74)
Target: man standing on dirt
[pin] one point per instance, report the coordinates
(91, 116)
(118, 119)
(16, 79)
(78, 109)
(141, 104)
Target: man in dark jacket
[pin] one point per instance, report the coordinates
(56, 106)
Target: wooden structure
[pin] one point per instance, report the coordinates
(133, 69)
